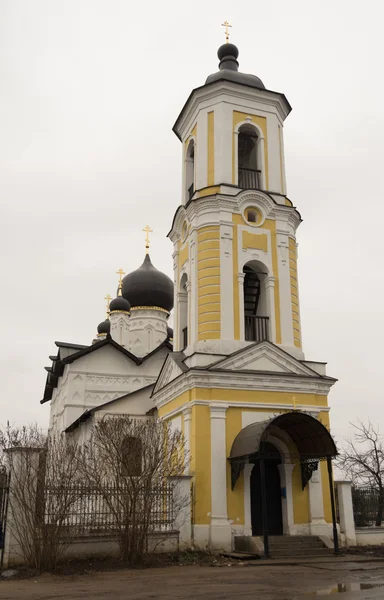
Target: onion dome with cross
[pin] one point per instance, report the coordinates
(104, 328)
(120, 304)
(147, 287)
(229, 67)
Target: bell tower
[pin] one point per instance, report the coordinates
(234, 234)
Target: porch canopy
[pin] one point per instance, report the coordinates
(312, 440)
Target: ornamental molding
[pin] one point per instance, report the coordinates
(227, 91)
(272, 407)
(241, 381)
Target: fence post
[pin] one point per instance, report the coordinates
(182, 509)
(347, 523)
(16, 518)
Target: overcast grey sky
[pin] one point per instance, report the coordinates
(89, 92)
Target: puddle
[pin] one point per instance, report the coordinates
(339, 588)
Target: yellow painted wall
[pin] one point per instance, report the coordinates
(269, 225)
(294, 292)
(201, 462)
(208, 276)
(211, 148)
(183, 254)
(201, 448)
(255, 241)
(261, 122)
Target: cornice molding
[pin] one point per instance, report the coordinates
(254, 381)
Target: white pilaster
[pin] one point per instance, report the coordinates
(269, 283)
(223, 143)
(220, 527)
(240, 279)
(201, 151)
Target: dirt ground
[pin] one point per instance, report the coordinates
(251, 581)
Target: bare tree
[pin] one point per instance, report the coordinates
(130, 462)
(363, 461)
(42, 470)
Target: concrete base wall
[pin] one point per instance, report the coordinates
(106, 545)
(370, 536)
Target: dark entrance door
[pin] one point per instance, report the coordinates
(273, 492)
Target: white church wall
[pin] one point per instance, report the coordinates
(97, 378)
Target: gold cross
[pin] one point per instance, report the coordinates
(120, 272)
(147, 230)
(226, 25)
(108, 298)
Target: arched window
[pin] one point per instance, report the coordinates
(190, 170)
(183, 313)
(248, 161)
(255, 309)
(131, 457)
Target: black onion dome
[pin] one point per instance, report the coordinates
(148, 287)
(104, 327)
(170, 333)
(229, 69)
(120, 304)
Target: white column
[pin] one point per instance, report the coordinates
(240, 279)
(261, 162)
(285, 470)
(221, 535)
(269, 283)
(317, 524)
(347, 523)
(247, 499)
(182, 509)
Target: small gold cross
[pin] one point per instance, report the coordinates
(120, 272)
(147, 230)
(226, 25)
(108, 298)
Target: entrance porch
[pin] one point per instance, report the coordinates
(266, 453)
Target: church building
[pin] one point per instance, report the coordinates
(232, 375)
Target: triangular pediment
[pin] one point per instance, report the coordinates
(170, 370)
(264, 357)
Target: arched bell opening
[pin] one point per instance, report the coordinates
(190, 170)
(256, 312)
(248, 157)
(183, 315)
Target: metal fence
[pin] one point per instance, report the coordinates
(365, 506)
(88, 510)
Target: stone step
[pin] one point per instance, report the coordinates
(241, 555)
(317, 544)
(301, 552)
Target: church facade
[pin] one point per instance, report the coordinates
(232, 375)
